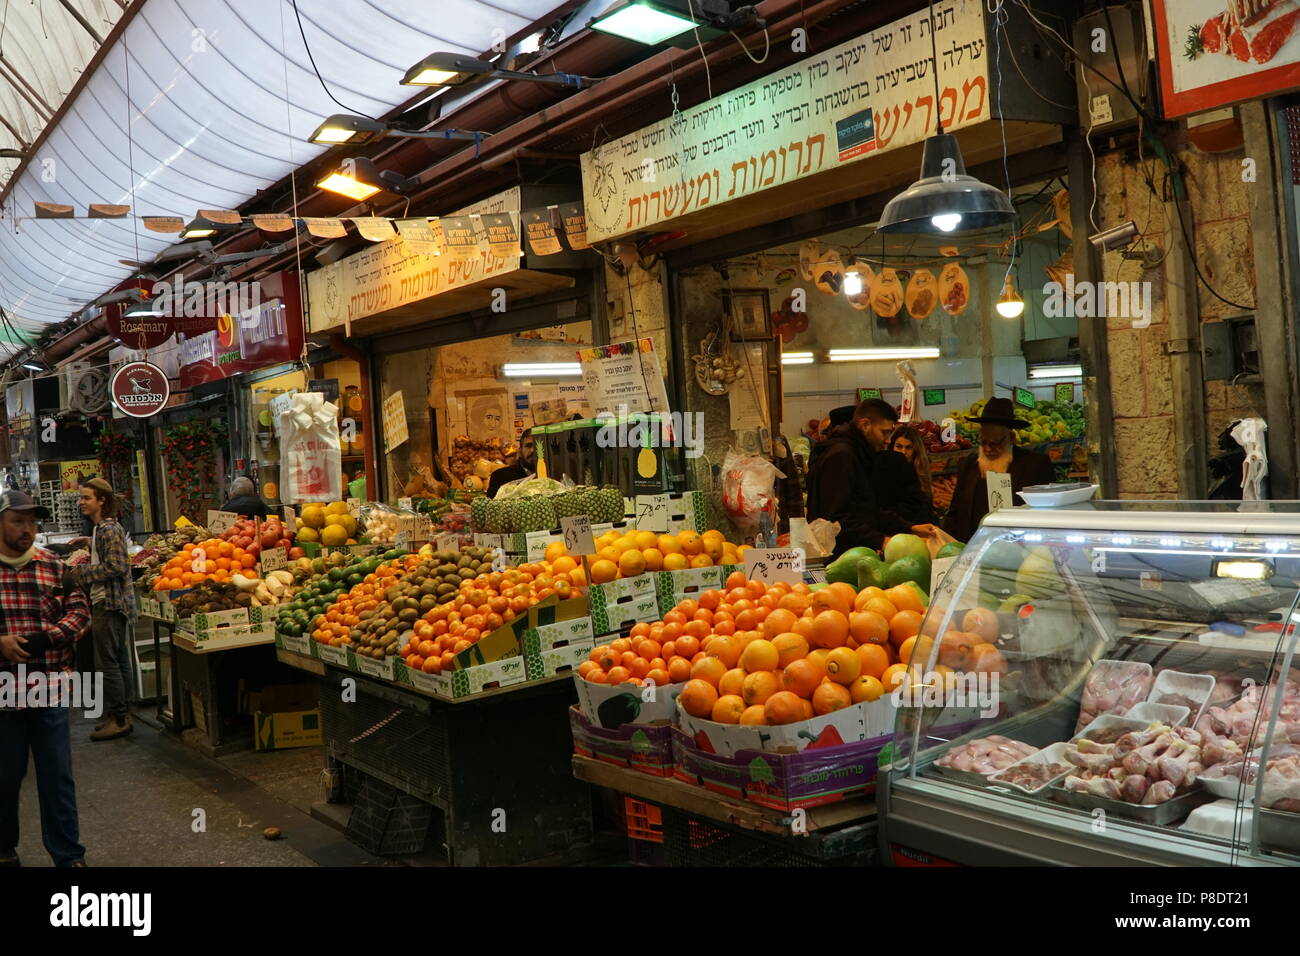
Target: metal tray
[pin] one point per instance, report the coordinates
(964, 776)
(1054, 753)
(1279, 828)
(1160, 815)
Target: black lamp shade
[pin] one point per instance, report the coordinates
(945, 189)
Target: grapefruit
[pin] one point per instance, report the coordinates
(843, 665)
(906, 545)
(697, 699)
(783, 707)
(727, 709)
(830, 697)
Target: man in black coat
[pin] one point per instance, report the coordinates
(998, 452)
(871, 492)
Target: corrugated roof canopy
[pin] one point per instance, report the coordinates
(222, 98)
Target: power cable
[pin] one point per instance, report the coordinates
(767, 46)
(311, 59)
(708, 78)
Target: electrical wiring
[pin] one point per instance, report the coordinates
(311, 59)
(1011, 52)
(767, 46)
(708, 77)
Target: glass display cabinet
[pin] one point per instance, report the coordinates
(1105, 684)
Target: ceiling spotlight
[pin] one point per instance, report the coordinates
(33, 364)
(852, 283)
(453, 69)
(676, 22)
(357, 130)
(359, 178)
(1010, 306)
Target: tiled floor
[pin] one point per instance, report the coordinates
(149, 800)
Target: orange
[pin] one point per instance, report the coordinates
(758, 687)
(830, 629)
(668, 545)
(831, 598)
(617, 675)
(687, 646)
(679, 669)
(802, 677)
(778, 622)
(905, 598)
(843, 665)
(903, 625)
(692, 543)
(955, 649)
(882, 606)
(796, 603)
(987, 659)
(610, 554)
(595, 676)
(733, 682)
(563, 564)
(921, 651)
(710, 599)
(649, 649)
(736, 579)
(714, 547)
(868, 627)
(555, 550)
(726, 649)
(789, 647)
(675, 561)
(727, 709)
(760, 655)
(653, 557)
(645, 539)
(808, 712)
(754, 715)
(982, 622)
(603, 571)
(866, 687)
(701, 561)
(804, 627)
(829, 697)
(873, 659)
(783, 707)
(709, 670)
(698, 697)
(640, 629)
(893, 676)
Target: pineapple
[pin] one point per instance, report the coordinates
(478, 513)
(495, 516)
(611, 504)
(566, 504)
(590, 504)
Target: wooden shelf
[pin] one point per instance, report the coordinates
(697, 801)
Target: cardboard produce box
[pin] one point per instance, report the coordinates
(286, 716)
(619, 604)
(631, 704)
(817, 775)
(646, 748)
(856, 722)
(298, 645)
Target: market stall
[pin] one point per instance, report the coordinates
(1145, 680)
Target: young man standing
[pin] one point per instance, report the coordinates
(41, 622)
(107, 579)
(525, 464)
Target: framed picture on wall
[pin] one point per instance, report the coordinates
(750, 311)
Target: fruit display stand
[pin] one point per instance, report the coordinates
(494, 764)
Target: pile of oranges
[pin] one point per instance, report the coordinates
(211, 560)
(770, 654)
(629, 553)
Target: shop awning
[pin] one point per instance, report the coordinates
(221, 101)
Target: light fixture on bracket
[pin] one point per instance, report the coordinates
(200, 227)
(675, 22)
(357, 130)
(453, 69)
(359, 178)
(1116, 237)
(34, 364)
(945, 197)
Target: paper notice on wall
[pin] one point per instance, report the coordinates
(575, 399)
(547, 404)
(523, 412)
(325, 228)
(394, 421)
(418, 237)
(462, 236)
(374, 228)
(502, 234)
(542, 238)
(748, 395)
(575, 225)
(624, 378)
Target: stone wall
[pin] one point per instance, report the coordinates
(1139, 370)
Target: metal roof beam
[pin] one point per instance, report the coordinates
(85, 24)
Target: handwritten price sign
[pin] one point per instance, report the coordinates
(771, 565)
(652, 513)
(272, 559)
(578, 538)
(220, 521)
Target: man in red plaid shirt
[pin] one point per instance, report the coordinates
(41, 620)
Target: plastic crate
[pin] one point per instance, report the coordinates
(644, 820)
(691, 841)
(385, 821)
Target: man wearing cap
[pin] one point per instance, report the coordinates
(107, 579)
(40, 622)
(998, 452)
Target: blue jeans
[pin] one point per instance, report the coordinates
(113, 658)
(44, 732)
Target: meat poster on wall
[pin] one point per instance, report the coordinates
(1211, 53)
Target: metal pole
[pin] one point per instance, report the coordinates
(1184, 350)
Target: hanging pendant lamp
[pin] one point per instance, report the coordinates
(945, 198)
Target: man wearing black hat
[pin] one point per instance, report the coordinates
(41, 619)
(998, 452)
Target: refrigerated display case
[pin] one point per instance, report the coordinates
(1089, 684)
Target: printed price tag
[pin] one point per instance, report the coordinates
(866, 393)
(219, 521)
(652, 513)
(578, 538)
(771, 565)
(1065, 391)
(1024, 397)
(934, 396)
(272, 559)
(405, 503)
(999, 484)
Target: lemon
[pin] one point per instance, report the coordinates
(333, 535)
(336, 508)
(313, 516)
(308, 533)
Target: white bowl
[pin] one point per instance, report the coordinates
(1057, 499)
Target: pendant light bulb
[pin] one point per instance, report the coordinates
(1010, 305)
(853, 283)
(946, 222)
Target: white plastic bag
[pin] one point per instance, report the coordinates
(311, 462)
(1249, 434)
(747, 487)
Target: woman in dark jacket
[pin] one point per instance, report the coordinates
(998, 452)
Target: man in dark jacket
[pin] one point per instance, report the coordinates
(244, 500)
(871, 492)
(524, 466)
(998, 452)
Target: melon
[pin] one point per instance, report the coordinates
(906, 546)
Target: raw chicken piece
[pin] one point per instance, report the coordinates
(1097, 786)
(1097, 763)
(986, 754)
(1159, 792)
(1179, 764)
(1113, 687)
(1134, 788)
(1141, 760)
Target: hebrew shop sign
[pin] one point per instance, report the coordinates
(865, 96)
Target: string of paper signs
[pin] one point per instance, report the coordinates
(427, 235)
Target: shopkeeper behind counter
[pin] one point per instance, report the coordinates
(525, 465)
(998, 452)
